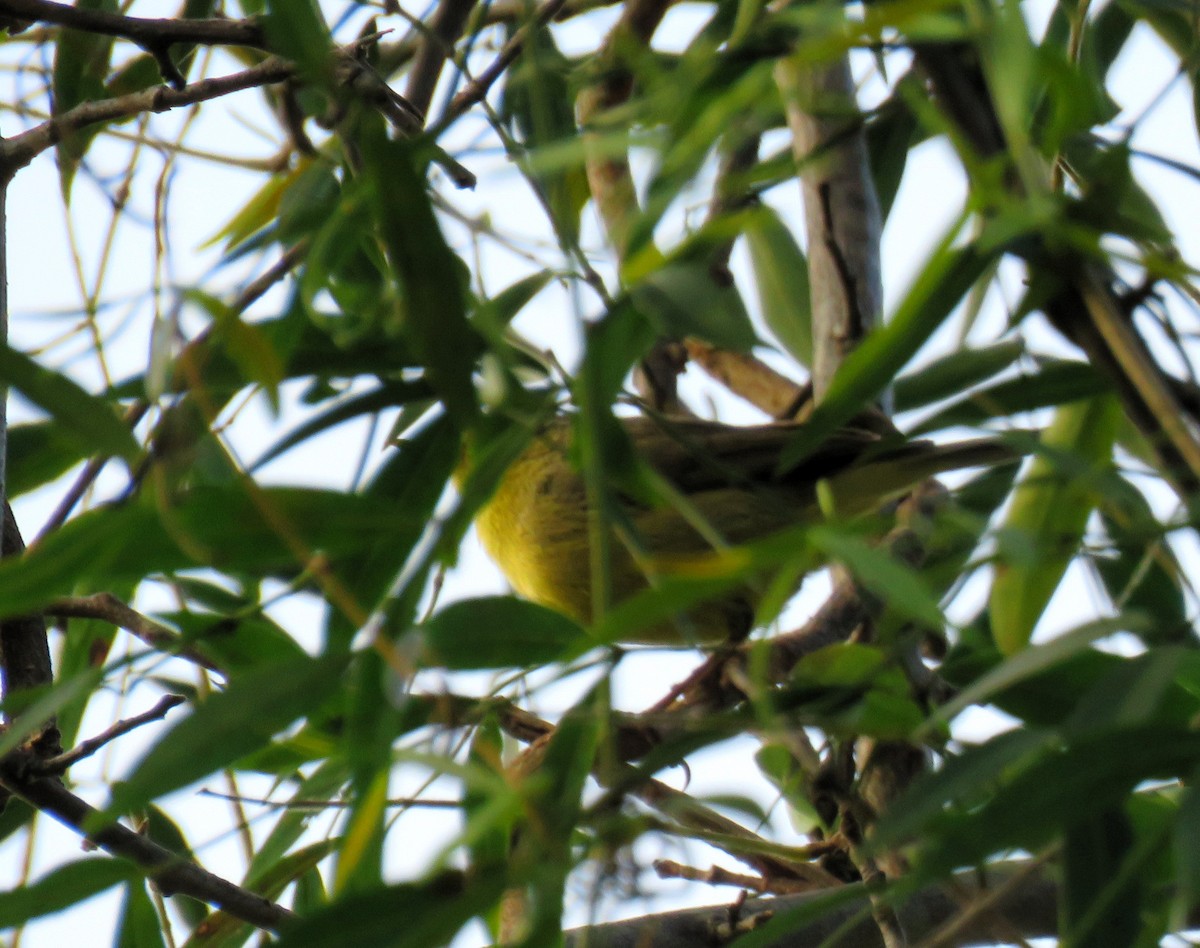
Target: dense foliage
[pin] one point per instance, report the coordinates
(358, 307)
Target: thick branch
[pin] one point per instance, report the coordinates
(1030, 907)
(171, 873)
(150, 34)
(841, 209)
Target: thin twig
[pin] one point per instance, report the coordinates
(301, 804)
(108, 608)
(86, 478)
(21, 149)
(476, 90)
(60, 764)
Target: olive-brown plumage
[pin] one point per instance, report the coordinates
(537, 524)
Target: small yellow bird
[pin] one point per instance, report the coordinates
(537, 528)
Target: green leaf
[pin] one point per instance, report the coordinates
(387, 395)
(228, 725)
(296, 30)
(890, 134)
(81, 64)
(953, 374)
(1055, 383)
(324, 783)
(62, 888)
(435, 320)
(274, 532)
(870, 368)
(681, 299)
(781, 276)
(1093, 909)
(1049, 513)
(538, 100)
(235, 644)
(415, 915)
(88, 420)
(39, 453)
(139, 925)
(496, 632)
(1187, 843)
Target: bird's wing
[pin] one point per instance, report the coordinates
(698, 455)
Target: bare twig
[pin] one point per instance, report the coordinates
(60, 763)
(445, 27)
(153, 35)
(172, 874)
(108, 608)
(86, 478)
(21, 149)
(750, 378)
(330, 804)
(475, 91)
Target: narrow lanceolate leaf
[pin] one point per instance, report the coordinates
(88, 420)
(229, 725)
(1050, 511)
(435, 317)
(62, 888)
(781, 276)
(496, 632)
(81, 64)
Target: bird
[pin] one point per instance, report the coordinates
(537, 525)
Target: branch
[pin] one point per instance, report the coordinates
(445, 27)
(170, 872)
(20, 150)
(108, 608)
(476, 90)
(1031, 907)
(841, 209)
(24, 647)
(60, 764)
(152, 35)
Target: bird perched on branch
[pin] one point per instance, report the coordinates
(722, 489)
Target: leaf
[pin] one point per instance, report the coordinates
(81, 64)
(235, 643)
(228, 725)
(1050, 510)
(275, 532)
(495, 632)
(222, 930)
(1093, 908)
(387, 395)
(950, 273)
(435, 320)
(88, 420)
(781, 276)
(296, 30)
(538, 100)
(415, 915)
(953, 374)
(39, 453)
(328, 777)
(1056, 791)
(1055, 383)
(62, 888)
(1187, 844)
(681, 299)
(139, 925)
